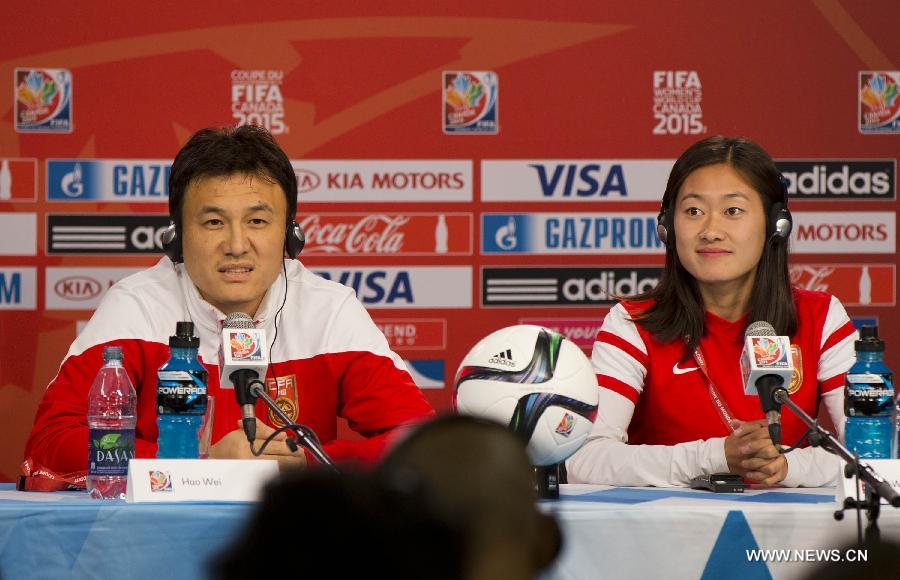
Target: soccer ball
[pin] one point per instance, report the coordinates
(535, 381)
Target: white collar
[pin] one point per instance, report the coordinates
(204, 314)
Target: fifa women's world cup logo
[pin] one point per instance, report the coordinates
(470, 102)
(43, 100)
(245, 346)
(879, 102)
(768, 352)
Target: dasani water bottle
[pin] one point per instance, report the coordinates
(111, 419)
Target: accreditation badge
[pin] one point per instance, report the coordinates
(797, 377)
(283, 391)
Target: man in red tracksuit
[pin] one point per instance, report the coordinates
(233, 197)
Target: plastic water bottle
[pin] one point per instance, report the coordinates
(869, 400)
(181, 396)
(111, 420)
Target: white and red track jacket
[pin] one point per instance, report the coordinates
(329, 357)
(656, 422)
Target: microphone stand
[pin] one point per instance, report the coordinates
(302, 432)
(876, 486)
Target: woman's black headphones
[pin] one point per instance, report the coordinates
(778, 226)
(294, 240)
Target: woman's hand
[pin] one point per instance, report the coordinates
(751, 454)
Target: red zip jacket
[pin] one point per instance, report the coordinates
(330, 359)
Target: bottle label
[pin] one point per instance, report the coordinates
(181, 392)
(109, 451)
(869, 395)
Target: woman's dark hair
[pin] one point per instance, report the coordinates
(678, 310)
(246, 150)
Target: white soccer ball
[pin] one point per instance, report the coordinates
(535, 381)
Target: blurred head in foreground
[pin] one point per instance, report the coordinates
(455, 499)
(479, 471)
(320, 524)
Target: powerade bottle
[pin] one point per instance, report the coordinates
(111, 419)
(181, 396)
(869, 400)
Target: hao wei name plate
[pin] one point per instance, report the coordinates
(174, 480)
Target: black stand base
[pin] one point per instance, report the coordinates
(546, 481)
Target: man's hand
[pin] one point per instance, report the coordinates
(751, 454)
(235, 446)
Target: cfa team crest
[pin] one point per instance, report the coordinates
(566, 425)
(284, 392)
(43, 100)
(879, 102)
(470, 102)
(797, 377)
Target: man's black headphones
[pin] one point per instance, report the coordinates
(778, 226)
(294, 240)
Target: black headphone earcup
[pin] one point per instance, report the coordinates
(664, 227)
(294, 239)
(171, 243)
(780, 221)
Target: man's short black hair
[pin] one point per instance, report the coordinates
(247, 150)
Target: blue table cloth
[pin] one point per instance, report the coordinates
(608, 533)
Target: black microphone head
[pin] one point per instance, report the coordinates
(760, 328)
(238, 320)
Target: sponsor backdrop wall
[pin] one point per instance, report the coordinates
(461, 168)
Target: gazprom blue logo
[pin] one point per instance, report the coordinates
(108, 180)
(570, 233)
(68, 180)
(506, 233)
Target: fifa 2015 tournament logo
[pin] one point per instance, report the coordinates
(245, 346)
(879, 105)
(470, 102)
(677, 103)
(566, 425)
(768, 352)
(43, 100)
(256, 99)
(160, 481)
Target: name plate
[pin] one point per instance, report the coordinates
(174, 480)
(889, 469)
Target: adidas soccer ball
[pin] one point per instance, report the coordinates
(537, 382)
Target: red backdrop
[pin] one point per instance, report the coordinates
(585, 101)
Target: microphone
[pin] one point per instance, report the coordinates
(243, 359)
(766, 369)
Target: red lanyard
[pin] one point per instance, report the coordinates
(718, 401)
